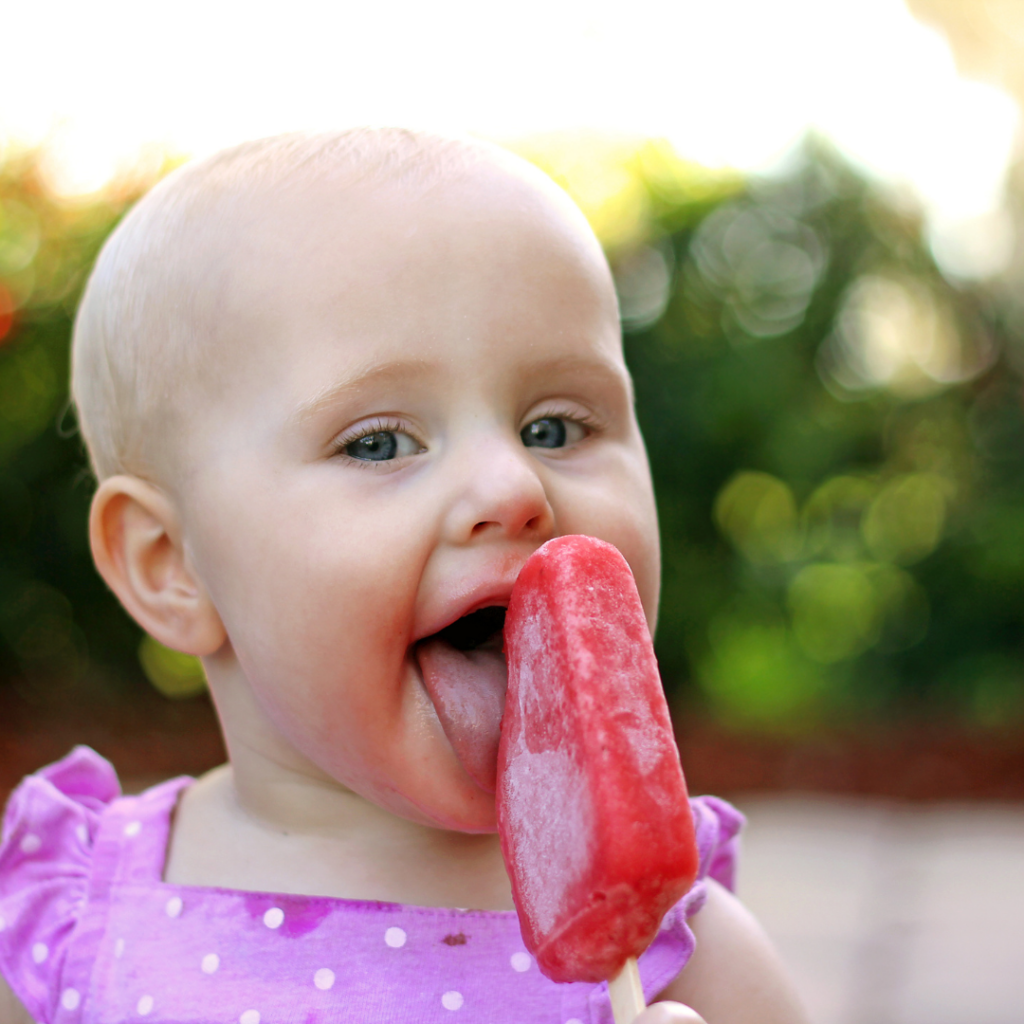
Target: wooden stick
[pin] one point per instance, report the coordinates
(627, 994)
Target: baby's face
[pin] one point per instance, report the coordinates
(424, 388)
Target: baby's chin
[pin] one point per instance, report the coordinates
(444, 798)
(474, 815)
(430, 787)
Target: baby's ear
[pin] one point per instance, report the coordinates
(136, 541)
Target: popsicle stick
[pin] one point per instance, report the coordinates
(627, 994)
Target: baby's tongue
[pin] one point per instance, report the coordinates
(468, 691)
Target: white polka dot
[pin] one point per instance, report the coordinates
(133, 828)
(173, 906)
(520, 962)
(250, 1017)
(83, 834)
(273, 918)
(210, 963)
(70, 999)
(452, 1000)
(119, 949)
(324, 979)
(40, 951)
(574, 1020)
(144, 1006)
(395, 938)
(3, 922)
(30, 843)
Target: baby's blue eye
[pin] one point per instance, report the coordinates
(382, 446)
(551, 432)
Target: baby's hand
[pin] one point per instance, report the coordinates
(669, 1013)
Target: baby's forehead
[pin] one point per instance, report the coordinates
(260, 254)
(350, 207)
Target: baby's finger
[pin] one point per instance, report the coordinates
(669, 1013)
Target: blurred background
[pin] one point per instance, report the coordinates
(815, 215)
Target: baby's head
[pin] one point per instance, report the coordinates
(337, 389)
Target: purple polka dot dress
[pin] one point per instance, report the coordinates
(90, 934)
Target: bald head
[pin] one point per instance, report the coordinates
(148, 341)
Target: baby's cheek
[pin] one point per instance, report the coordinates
(641, 540)
(632, 527)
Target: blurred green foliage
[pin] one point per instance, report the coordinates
(56, 616)
(837, 439)
(836, 434)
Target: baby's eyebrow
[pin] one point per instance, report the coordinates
(374, 374)
(592, 369)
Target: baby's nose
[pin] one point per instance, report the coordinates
(501, 492)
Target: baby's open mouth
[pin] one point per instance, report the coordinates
(463, 669)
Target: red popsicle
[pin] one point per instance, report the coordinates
(593, 813)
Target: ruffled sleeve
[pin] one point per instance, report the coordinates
(717, 826)
(45, 867)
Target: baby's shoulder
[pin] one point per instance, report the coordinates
(734, 973)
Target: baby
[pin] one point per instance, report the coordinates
(336, 390)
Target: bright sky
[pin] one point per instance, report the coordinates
(729, 82)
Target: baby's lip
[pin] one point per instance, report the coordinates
(489, 593)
